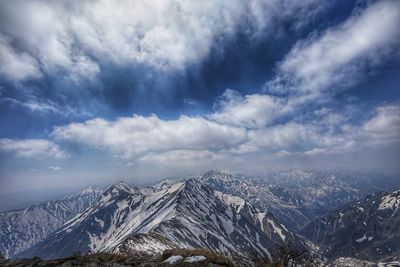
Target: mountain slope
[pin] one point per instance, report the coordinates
(298, 197)
(21, 229)
(187, 214)
(368, 229)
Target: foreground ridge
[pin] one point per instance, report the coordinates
(187, 214)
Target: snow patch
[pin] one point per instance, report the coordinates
(174, 259)
(195, 259)
(390, 201)
(277, 229)
(235, 202)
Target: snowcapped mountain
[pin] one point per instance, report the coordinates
(21, 229)
(298, 197)
(367, 229)
(186, 214)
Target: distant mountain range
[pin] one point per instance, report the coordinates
(298, 197)
(242, 217)
(21, 229)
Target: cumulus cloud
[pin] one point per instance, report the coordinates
(151, 139)
(340, 55)
(250, 111)
(32, 148)
(138, 135)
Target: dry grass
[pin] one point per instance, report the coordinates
(103, 257)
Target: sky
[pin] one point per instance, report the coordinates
(93, 92)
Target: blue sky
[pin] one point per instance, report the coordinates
(98, 91)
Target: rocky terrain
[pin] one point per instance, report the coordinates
(173, 257)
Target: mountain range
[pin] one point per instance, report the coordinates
(298, 197)
(330, 215)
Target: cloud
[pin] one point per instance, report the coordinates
(192, 139)
(32, 148)
(136, 136)
(250, 111)
(76, 38)
(289, 136)
(384, 126)
(339, 56)
(32, 105)
(182, 156)
(54, 168)
(15, 65)
(112, 58)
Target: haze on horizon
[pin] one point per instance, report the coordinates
(92, 92)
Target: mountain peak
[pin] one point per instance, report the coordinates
(217, 174)
(122, 185)
(88, 191)
(91, 189)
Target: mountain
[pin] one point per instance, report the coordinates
(367, 229)
(298, 197)
(187, 214)
(21, 229)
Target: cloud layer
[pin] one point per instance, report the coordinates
(77, 38)
(32, 148)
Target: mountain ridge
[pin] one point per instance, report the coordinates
(188, 214)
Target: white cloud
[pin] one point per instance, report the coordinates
(43, 107)
(384, 126)
(136, 136)
(338, 56)
(194, 139)
(54, 168)
(287, 136)
(181, 156)
(17, 65)
(252, 111)
(32, 148)
(75, 37)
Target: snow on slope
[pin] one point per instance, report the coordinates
(185, 214)
(21, 229)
